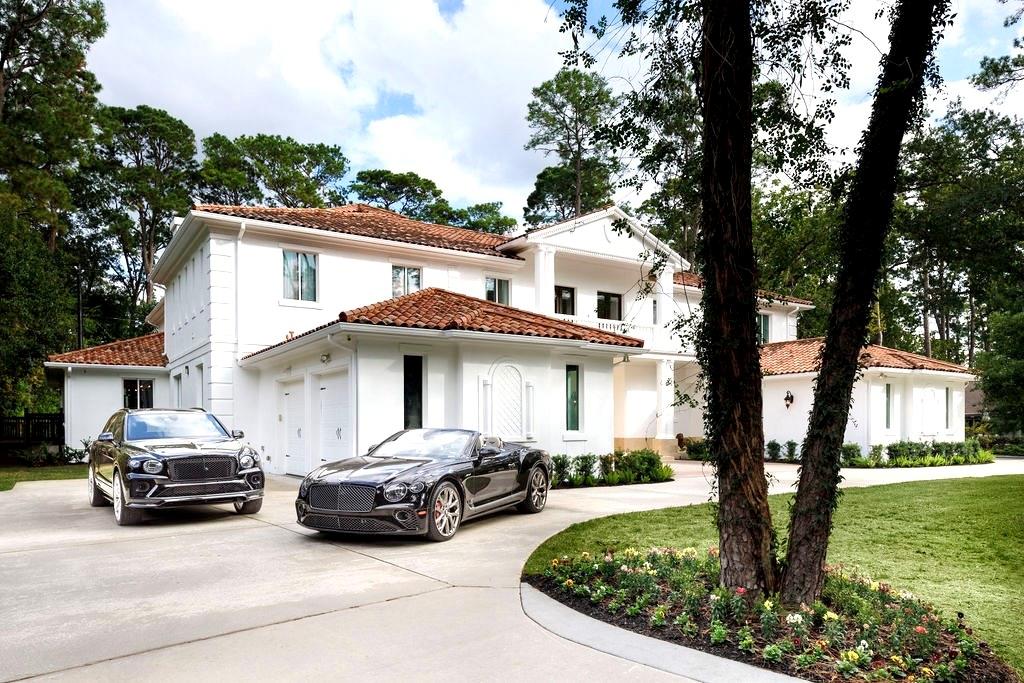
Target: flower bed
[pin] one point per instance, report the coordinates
(860, 630)
(918, 454)
(615, 469)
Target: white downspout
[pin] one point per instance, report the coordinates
(238, 243)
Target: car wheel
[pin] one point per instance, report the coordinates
(536, 491)
(123, 515)
(248, 507)
(445, 512)
(96, 497)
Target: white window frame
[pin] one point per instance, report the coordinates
(405, 279)
(302, 303)
(138, 391)
(508, 290)
(764, 331)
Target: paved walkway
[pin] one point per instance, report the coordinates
(202, 594)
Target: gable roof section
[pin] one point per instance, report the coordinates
(144, 351)
(688, 279)
(439, 309)
(802, 355)
(370, 221)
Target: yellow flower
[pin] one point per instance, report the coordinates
(554, 563)
(873, 585)
(768, 604)
(927, 672)
(831, 616)
(569, 583)
(585, 556)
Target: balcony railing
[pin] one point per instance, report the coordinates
(648, 333)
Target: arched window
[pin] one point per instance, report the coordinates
(507, 401)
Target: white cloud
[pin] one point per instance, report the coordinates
(317, 71)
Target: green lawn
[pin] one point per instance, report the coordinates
(957, 543)
(9, 476)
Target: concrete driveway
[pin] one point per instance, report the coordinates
(204, 594)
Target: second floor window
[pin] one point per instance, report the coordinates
(609, 306)
(405, 280)
(763, 327)
(299, 276)
(565, 300)
(496, 290)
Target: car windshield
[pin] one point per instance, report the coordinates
(436, 443)
(141, 426)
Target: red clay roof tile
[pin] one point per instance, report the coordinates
(688, 279)
(802, 355)
(439, 309)
(371, 221)
(144, 351)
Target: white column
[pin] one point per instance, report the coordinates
(666, 397)
(662, 339)
(544, 279)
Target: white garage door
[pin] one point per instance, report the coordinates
(293, 419)
(335, 430)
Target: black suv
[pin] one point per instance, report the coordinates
(156, 458)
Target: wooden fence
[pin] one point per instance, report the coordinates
(33, 428)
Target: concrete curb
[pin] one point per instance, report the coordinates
(658, 654)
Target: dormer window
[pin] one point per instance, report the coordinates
(405, 280)
(763, 328)
(299, 276)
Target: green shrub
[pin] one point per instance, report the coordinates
(791, 450)
(48, 456)
(606, 464)
(562, 467)
(613, 478)
(914, 454)
(851, 454)
(663, 473)
(696, 447)
(774, 449)
(875, 455)
(584, 469)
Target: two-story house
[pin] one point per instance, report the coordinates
(319, 332)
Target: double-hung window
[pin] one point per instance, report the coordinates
(888, 406)
(138, 393)
(949, 405)
(496, 290)
(299, 275)
(609, 306)
(412, 381)
(405, 280)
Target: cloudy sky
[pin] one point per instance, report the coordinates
(439, 88)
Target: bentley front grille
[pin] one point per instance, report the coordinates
(204, 467)
(342, 497)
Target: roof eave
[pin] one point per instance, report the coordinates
(103, 366)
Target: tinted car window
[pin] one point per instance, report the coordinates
(117, 426)
(437, 443)
(173, 425)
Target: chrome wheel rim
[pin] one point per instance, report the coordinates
(92, 485)
(447, 510)
(117, 497)
(538, 489)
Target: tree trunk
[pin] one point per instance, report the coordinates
(866, 220)
(970, 327)
(729, 352)
(926, 322)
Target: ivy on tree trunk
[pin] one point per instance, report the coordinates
(729, 352)
(866, 220)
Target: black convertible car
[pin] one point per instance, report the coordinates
(424, 481)
(161, 458)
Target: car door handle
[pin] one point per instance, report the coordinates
(298, 432)
(337, 433)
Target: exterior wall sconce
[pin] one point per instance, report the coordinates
(325, 358)
(788, 400)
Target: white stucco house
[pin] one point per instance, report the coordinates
(319, 332)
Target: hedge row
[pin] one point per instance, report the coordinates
(917, 454)
(614, 469)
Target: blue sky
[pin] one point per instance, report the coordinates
(439, 88)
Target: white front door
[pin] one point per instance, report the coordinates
(335, 433)
(294, 419)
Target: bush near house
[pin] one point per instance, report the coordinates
(774, 449)
(614, 469)
(694, 446)
(49, 456)
(919, 454)
(1003, 444)
(791, 452)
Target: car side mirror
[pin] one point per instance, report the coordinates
(106, 437)
(237, 434)
(487, 451)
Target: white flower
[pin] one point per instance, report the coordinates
(713, 598)
(794, 618)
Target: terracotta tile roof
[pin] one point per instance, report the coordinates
(371, 221)
(439, 309)
(688, 279)
(147, 350)
(801, 355)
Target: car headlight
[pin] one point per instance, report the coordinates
(308, 481)
(416, 487)
(153, 466)
(135, 463)
(247, 457)
(246, 461)
(396, 492)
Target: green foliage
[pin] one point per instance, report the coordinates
(295, 174)
(35, 309)
(791, 450)
(50, 456)
(565, 116)
(584, 467)
(9, 476)
(613, 469)
(561, 466)
(851, 454)
(227, 176)
(774, 449)
(696, 447)
(1002, 372)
